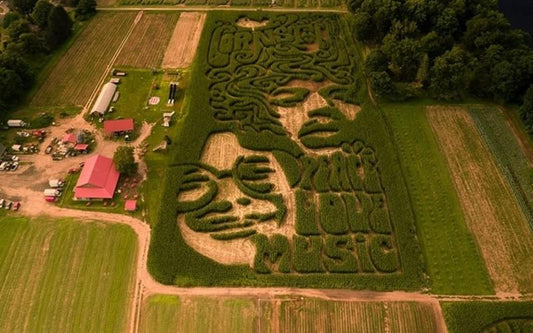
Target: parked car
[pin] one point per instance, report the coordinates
(3, 166)
(15, 158)
(8, 205)
(14, 166)
(2, 201)
(48, 150)
(16, 206)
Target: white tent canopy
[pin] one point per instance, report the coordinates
(104, 99)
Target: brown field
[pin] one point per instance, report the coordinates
(74, 78)
(184, 42)
(148, 41)
(166, 313)
(491, 210)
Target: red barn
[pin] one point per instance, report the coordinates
(119, 126)
(98, 179)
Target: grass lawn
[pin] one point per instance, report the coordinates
(487, 316)
(59, 275)
(453, 261)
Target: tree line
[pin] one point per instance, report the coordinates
(447, 49)
(32, 30)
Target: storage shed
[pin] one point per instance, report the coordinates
(104, 99)
(118, 126)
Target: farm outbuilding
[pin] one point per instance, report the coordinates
(104, 99)
(69, 138)
(98, 179)
(119, 126)
(130, 205)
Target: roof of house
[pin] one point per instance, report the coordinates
(98, 179)
(130, 205)
(105, 97)
(81, 146)
(119, 125)
(69, 137)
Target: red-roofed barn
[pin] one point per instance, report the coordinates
(119, 126)
(98, 179)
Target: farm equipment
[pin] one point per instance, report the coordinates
(172, 93)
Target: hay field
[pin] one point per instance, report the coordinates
(59, 275)
(147, 43)
(76, 75)
(167, 313)
(490, 207)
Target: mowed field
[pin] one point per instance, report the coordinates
(60, 275)
(166, 313)
(453, 261)
(148, 41)
(490, 207)
(74, 78)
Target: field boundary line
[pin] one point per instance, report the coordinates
(111, 63)
(208, 9)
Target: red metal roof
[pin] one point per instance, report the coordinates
(119, 125)
(130, 205)
(98, 179)
(81, 146)
(69, 138)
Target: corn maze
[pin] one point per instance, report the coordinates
(297, 190)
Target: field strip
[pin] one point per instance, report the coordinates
(71, 81)
(490, 209)
(147, 43)
(110, 64)
(229, 9)
(184, 42)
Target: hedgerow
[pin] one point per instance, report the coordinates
(238, 75)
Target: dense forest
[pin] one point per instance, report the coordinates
(447, 49)
(31, 31)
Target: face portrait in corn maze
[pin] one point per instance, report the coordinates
(287, 184)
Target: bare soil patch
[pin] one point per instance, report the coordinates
(184, 42)
(491, 211)
(245, 22)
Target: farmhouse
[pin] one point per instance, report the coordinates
(104, 99)
(98, 179)
(119, 126)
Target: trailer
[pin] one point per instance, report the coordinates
(55, 183)
(16, 123)
(52, 192)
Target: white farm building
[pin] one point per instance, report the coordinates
(104, 99)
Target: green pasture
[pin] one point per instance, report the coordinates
(453, 261)
(62, 275)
